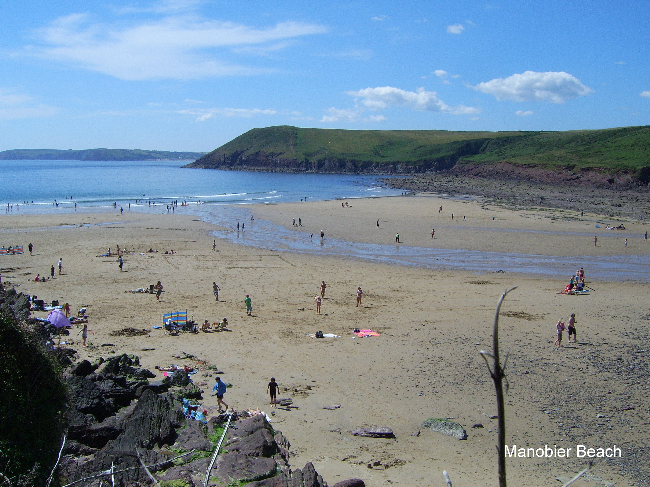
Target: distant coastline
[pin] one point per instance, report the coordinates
(97, 155)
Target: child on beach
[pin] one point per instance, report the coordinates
(318, 303)
(322, 289)
(359, 295)
(249, 305)
(84, 334)
(159, 290)
(272, 389)
(560, 329)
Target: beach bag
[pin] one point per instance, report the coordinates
(319, 334)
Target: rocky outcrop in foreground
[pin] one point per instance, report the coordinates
(119, 422)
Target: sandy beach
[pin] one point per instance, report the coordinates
(432, 325)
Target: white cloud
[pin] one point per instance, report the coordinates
(14, 106)
(552, 86)
(455, 29)
(340, 115)
(645, 94)
(206, 114)
(176, 47)
(521, 113)
(440, 73)
(379, 18)
(421, 100)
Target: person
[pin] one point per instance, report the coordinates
(215, 289)
(220, 389)
(645, 239)
(52, 272)
(397, 238)
(31, 247)
(272, 389)
(359, 294)
(440, 209)
(214, 245)
(84, 333)
(377, 223)
(433, 232)
(159, 289)
(322, 289)
(249, 305)
(60, 265)
(560, 328)
(318, 303)
(572, 328)
(66, 309)
(625, 243)
(322, 235)
(595, 241)
(121, 264)
(300, 222)
(294, 222)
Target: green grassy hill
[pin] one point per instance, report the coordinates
(286, 148)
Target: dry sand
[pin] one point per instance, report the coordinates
(425, 364)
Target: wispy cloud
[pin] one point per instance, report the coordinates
(552, 86)
(455, 29)
(176, 46)
(645, 94)
(206, 114)
(379, 18)
(15, 106)
(421, 100)
(521, 113)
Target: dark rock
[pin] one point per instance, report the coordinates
(152, 423)
(88, 398)
(350, 483)
(477, 425)
(177, 379)
(374, 432)
(77, 449)
(307, 477)
(193, 437)
(82, 368)
(157, 387)
(238, 467)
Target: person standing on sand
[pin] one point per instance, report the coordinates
(249, 305)
(31, 247)
(322, 289)
(397, 238)
(572, 328)
(60, 265)
(433, 232)
(215, 290)
(214, 245)
(318, 303)
(595, 240)
(52, 272)
(560, 328)
(121, 264)
(84, 333)
(159, 289)
(272, 389)
(220, 389)
(359, 295)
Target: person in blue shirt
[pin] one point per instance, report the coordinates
(220, 388)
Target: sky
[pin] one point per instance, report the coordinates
(191, 75)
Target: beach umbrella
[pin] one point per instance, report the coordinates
(58, 319)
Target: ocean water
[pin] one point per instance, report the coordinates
(226, 197)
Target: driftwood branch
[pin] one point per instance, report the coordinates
(153, 479)
(447, 479)
(579, 475)
(216, 452)
(108, 472)
(497, 372)
(49, 479)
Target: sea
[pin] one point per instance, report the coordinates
(226, 197)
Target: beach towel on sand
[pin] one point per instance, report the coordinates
(366, 333)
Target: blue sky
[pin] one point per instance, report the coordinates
(192, 74)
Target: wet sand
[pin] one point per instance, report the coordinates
(433, 323)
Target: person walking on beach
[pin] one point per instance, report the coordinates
(572, 328)
(220, 389)
(322, 289)
(60, 265)
(359, 295)
(560, 328)
(215, 290)
(318, 303)
(249, 305)
(433, 232)
(52, 272)
(31, 247)
(595, 240)
(272, 389)
(214, 245)
(397, 238)
(121, 264)
(159, 289)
